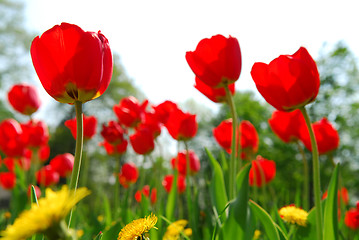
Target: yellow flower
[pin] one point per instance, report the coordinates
(174, 230)
(48, 214)
(137, 228)
(257, 234)
(294, 215)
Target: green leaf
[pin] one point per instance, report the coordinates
(308, 232)
(331, 209)
(172, 197)
(269, 226)
(217, 186)
(112, 232)
(236, 226)
(99, 236)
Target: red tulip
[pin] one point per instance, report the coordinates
(47, 176)
(44, 153)
(181, 126)
(168, 180)
(163, 110)
(326, 135)
(216, 61)
(216, 95)
(89, 126)
(181, 162)
(72, 65)
(142, 141)
(35, 133)
(146, 192)
(7, 180)
(11, 138)
(117, 149)
(9, 164)
(223, 134)
(24, 98)
(286, 125)
(289, 81)
(63, 164)
(262, 171)
(151, 122)
(351, 218)
(130, 112)
(113, 133)
(128, 174)
(342, 194)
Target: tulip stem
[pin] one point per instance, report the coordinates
(78, 150)
(316, 175)
(306, 178)
(234, 152)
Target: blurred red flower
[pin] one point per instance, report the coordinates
(151, 122)
(24, 98)
(128, 174)
(168, 180)
(182, 126)
(7, 180)
(44, 153)
(113, 133)
(181, 162)
(47, 176)
(262, 171)
(37, 191)
(216, 61)
(289, 81)
(11, 138)
(163, 110)
(115, 149)
(146, 192)
(342, 194)
(35, 133)
(286, 125)
(63, 164)
(326, 135)
(130, 112)
(142, 141)
(89, 126)
(351, 218)
(216, 95)
(72, 65)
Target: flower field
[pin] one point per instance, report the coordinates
(223, 193)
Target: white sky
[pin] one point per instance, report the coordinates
(152, 37)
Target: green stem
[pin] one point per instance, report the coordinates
(233, 162)
(78, 150)
(316, 175)
(306, 178)
(117, 188)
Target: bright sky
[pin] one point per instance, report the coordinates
(152, 37)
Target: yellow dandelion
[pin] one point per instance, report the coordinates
(174, 230)
(137, 228)
(257, 234)
(294, 215)
(51, 210)
(7, 215)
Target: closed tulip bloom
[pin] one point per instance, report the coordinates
(130, 112)
(168, 180)
(72, 65)
(216, 61)
(148, 193)
(24, 98)
(44, 153)
(182, 126)
(35, 133)
(326, 135)
(115, 149)
(262, 171)
(180, 162)
(287, 125)
(128, 174)
(142, 141)
(63, 164)
(7, 180)
(249, 137)
(47, 176)
(216, 95)
(164, 109)
(11, 138)
(89, 126)
(151, 122)
(288, 82)
(351, 218)
(113, 133)
(223, 134)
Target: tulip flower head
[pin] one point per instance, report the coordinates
(35, 133)
(351, 218)
(89, 126)
(24, 98)
(342, 195)
(163, 110)
(63, 164)
(182, 126)
(216, 95)
(11, 138)
(72, 65)
(287, 125)
(113, 133)
(216, 61)
(128, 174)
(115, 149)
(7, 180)
(288, 82)
(130, 112)
(142, 141)
(262, 171)
(326, 135)
(168, 180)
(180, 162)
(47, 176)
